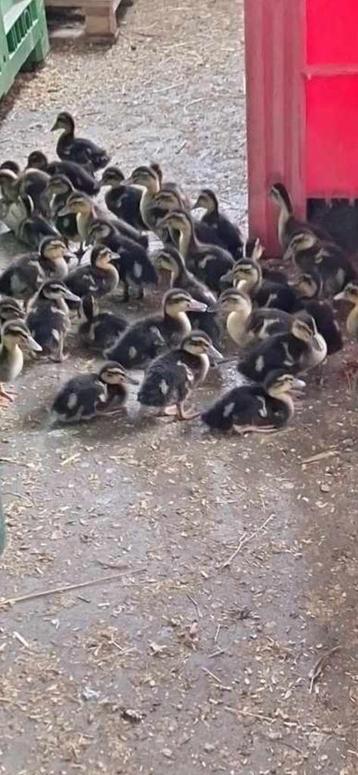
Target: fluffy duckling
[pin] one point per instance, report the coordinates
(134, 267)
(9, 164)
(100, 329)
(307, 288)
(324, 258)
(245, 325)
(77, 149)
(288, 225)
(350, 294)
(297, 350)
(165, 202)
(84, 396)
(87, 212)
(170, 378)
(77, 175)
(98, 278)
(170, 185)
(255, 408)
(229, 234)
(147, 179)
(121, 199)
(15, 336)
(169, 259)
(59, 190)
(9, 185)
(208, 262)
(246, 275)
(21, 279)
(143, 339)
(10, 309)
(34, 227)
(48, 319)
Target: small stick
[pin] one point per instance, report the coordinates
(195, 604)
(216, 679)
(217, 653)
(217, 633)
(319, 667)
(244, 540)
(320, 456)
(66, 588)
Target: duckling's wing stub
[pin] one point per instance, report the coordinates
(79, 398)
(239, 406)
(167, 381)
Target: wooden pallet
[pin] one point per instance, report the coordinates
(100, 16)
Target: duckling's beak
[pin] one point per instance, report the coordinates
(197, 306)
(55, 127)
(33, 345)
(196, 205)
(288, 254)
(339, 296)
(298, 384)
(225, 278)
(69, 296)
(131, 380)
(215, 354)
(65, 211)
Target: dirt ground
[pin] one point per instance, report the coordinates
(186, 662)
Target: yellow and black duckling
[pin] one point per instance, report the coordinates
(229, 234)
(171, 377)
(9, 164)
(9, 185)
(101, 329)
(34, 227)
(77, 175)
(350, 294)
(307, 288)
(245, 324)
(15, 336)
(133, 264)
(87, 212)
(327, 259)
(78, 149)
(255, 408)
(86, 395)
(33, 183)
(294, 351)
(170, 185)
(208, 262)
(246, 275)
(147, 179)
(10, 309)
(59, 190)
(98, 278)
(165, 202)
(143, 339)
(288, 225)
(170, 260)
(48, 318)
(22, 278)
(121, 199)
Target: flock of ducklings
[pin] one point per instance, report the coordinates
(282, 329)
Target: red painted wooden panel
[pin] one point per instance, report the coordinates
(332, 27)
(332, 136)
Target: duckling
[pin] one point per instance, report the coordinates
(59, 189)
(132, 263)
(307, 288)
(208, 262)
(99, 278)
(255, 408)
(10, 309)
(229, 234)
(245, 325)
(147, 179)
(311, 254)
(171, 377)
(87, 211)
(77, 149)
(21, 279)
(165, 202)
(12, 214)
(350, 294)
(33, 183)
(170, 260)
(9, 164)
(246, 275)
(288, 224)
(170, 185)
(299, 349)
(101, 329)
(84, 396)
(77, 175)
(121, 199)
(48, 319)
(142, 340)
(15, 336)
(9, 184)
(34, 227)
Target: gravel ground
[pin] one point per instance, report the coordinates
(187, 661)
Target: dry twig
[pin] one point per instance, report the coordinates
(244, 540)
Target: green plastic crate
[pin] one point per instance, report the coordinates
(23, 38)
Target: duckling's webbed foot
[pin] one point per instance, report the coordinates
(7, 395)
(186, 414)
(60, 356)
